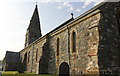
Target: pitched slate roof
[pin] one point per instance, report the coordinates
(12, 57)
(71, 20)
(63, 24)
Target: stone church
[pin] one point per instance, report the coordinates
(88, 44)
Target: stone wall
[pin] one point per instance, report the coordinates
(55, 61)
(26, 58)
(96, 47)
(85, 59)
(39, 62)
(109, 39)
(30, 61)
(87, 38)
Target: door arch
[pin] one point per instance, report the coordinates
(64, 69)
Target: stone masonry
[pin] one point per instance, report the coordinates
(96, 39)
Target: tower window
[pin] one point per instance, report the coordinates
(73, 42)
(35, 36)
(58, 43)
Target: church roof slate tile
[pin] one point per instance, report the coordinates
(12, 57)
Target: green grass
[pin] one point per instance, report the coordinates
(15, 73)
(10, 72)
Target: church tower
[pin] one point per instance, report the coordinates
(34, 29)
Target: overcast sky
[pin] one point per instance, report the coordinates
(15, 17)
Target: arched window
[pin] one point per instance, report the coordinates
(36, 54)
(73, 42)
(28, 58)
(58, 44)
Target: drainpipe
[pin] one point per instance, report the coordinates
(68, 46)
(69, 43)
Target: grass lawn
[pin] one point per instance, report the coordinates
(15, 73)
